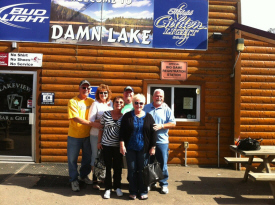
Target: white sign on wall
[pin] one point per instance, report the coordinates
(47, 98)
(25, 59)
(188, 103)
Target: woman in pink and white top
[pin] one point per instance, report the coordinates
(103, 103)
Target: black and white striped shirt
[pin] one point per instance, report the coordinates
(110, 136)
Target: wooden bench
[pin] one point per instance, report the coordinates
(229, 160)
(262, 176)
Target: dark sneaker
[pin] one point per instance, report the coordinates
(86, 180)
(75, 185)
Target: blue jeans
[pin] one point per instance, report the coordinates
(136, 160)
(93, 140)
(73, 148)
(162, 157)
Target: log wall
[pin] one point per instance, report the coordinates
(257, 89)
(64, 66)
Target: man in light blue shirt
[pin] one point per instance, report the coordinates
(164, 119)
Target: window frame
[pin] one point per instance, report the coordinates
(200, 120)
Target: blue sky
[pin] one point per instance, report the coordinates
(137, 9)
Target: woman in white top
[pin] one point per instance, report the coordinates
(103, 103)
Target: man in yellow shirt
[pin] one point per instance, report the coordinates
(79, 135)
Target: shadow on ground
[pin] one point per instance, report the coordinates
(187, 185)
(52, 178)
(228, 190)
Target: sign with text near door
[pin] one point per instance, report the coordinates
(173, 70)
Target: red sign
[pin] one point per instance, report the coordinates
(29, 103)
(4, 59)
(173, 70)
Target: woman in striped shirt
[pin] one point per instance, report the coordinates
(108, 140)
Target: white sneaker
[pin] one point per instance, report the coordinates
(119, 192)
(107, 194)
(86, 180)
(164, 190)
(75, 185)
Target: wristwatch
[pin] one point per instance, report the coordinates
(162, 126)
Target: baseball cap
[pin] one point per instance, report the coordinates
(84, 82)
(128, 88)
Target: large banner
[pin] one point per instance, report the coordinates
(171, 24)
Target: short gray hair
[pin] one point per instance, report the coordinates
(141, 97)
(158, 90)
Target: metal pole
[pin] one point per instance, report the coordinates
(186, 145)
(219, 121)
(185, 156)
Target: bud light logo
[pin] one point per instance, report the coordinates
(19, 14)
(25, 20)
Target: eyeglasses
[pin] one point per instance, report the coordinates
(86, 88)
(119, 102)
(139, 103)
(103, 93)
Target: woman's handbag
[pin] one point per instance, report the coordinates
(152, 173)
(100, 168)
(249, 144)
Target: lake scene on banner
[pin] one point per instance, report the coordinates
(127, 24)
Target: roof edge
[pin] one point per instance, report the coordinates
(252, 30)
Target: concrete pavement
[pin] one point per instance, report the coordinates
(47, 183)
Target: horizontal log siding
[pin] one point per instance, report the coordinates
(64, 66)
(257, 90)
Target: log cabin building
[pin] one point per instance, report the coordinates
(231, 92)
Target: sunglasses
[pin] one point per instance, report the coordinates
(119, 102)
(86, 88)
(103, 93)
(139, 103)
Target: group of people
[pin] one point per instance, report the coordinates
(122, 127)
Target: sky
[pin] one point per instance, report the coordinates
(258, 13)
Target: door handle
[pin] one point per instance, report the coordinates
(31, 118)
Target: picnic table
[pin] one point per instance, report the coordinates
(265, 156)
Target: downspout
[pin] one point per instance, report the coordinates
(219, 122)
(233, 73)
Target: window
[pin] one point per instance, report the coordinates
(184, 100)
